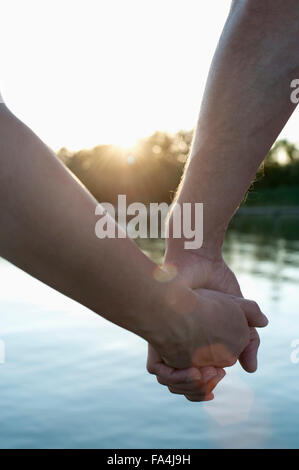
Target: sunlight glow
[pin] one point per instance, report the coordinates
(82, 73)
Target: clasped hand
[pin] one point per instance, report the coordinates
(222, 331)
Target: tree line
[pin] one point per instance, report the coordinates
(151, 170)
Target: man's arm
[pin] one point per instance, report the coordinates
(245, 106)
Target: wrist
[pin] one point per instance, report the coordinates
(212, 240)
(171, 332)
(211, 248)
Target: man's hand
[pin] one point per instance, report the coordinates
(204, 269)
(215, 330)
(212, 272)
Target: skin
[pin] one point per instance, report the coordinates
(245, 106)
(48, 222)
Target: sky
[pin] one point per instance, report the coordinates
(86, 72)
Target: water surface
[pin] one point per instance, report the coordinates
(73, 380)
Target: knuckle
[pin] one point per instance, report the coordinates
(191, 378)
(150, 368)
(161, 381)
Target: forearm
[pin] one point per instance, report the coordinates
(246, 104)
(48, 229)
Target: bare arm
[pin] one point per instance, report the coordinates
(245, 106)
(48, 229)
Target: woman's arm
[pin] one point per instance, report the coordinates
(48, 229)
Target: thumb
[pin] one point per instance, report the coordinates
(248, 358)
(253, 313)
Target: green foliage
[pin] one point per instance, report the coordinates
(151, 170)
(280, 195)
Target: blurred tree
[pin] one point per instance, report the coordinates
(151, 170)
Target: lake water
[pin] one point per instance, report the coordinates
(72, 380)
